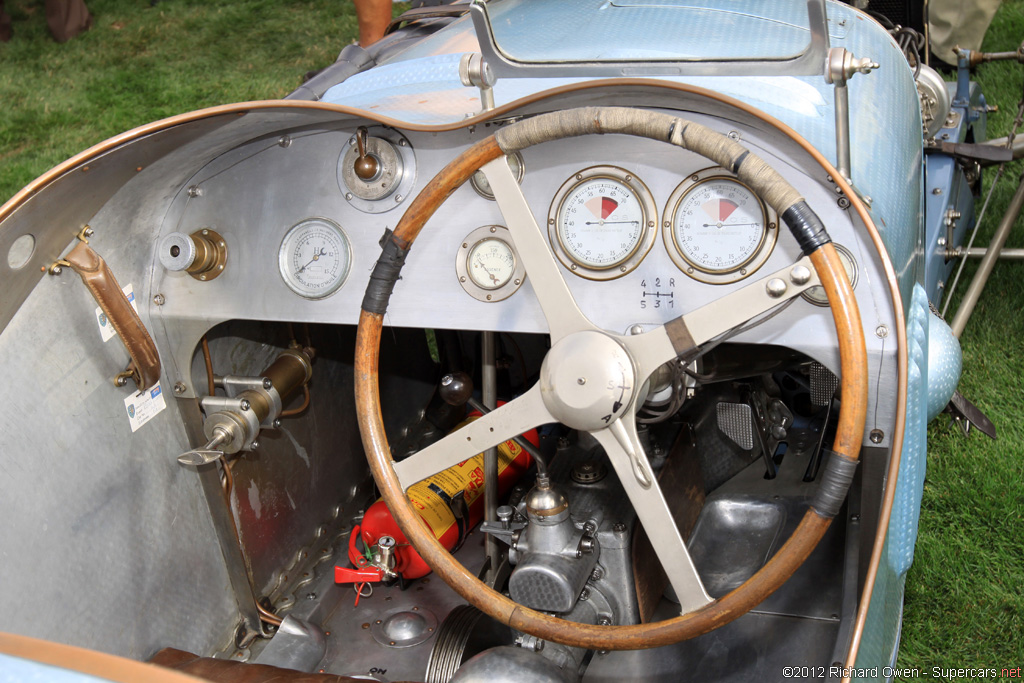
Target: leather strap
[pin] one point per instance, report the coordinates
(145, 364)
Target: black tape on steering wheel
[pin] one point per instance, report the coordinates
(835, 484)
(386, 273)
(806, 227)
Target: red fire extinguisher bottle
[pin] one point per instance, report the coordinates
(434, 499)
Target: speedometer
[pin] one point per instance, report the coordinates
(717, 229)
(602, 222)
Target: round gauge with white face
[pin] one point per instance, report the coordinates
(490, 263)
(816, 295)
(487, 265)
(315, 258)
(483, 186)
(601, 222)
(717, 229)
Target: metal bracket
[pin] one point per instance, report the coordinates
(58, 266)
(474, 71)
(234, 385)
(840, 68)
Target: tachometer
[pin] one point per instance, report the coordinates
(602, 222)
(314, 258)
(717, 230)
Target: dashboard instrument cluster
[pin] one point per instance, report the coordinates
(643, 232)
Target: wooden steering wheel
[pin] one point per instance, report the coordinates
(578, 346)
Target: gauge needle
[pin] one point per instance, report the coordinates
(488, 271)
(610, 222)
(728, 225)
(316, 257)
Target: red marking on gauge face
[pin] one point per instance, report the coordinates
(602, 207)
(719, 209)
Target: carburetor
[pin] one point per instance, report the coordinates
(552, 558)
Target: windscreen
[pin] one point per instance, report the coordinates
(542, 31)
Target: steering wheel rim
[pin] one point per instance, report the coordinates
(813, 240)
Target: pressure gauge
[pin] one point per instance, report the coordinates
(315, 258)
(483, 186)
(602, 222)
(717, 230)
(487, 265)
(816, 295)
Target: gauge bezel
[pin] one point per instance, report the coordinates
(811, 295)
(284, 253)
(648, 207)
(769, 234)
(474, 179)
(405, 173)
(515, 281)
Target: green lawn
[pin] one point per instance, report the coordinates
(965, 593)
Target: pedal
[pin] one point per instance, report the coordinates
(966, 415)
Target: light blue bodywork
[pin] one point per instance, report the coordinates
(422, 86)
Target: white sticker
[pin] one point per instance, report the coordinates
(143, 406)
(107, 331)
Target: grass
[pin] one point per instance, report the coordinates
(140, 63)
(965, 592)
(964, 601)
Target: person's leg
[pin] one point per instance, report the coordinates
(374, 17)
(5, 24)
(958, 22)
(67, 18)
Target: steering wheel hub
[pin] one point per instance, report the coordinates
(587, 380)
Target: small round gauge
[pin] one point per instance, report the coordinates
(601, 222)
(491, 263)
(315, 257)
(816, 295)
(717, 229)
(488, 267)
(483, 187)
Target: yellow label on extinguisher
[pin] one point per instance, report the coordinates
(432, 496)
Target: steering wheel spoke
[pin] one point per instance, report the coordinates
(591, 380)
(501, 424)
(563, 315)
(627, 456)
(684, 334)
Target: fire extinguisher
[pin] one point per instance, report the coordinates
(450, 502)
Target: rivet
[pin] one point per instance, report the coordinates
(876, 435)
(158, 299)
(776, 287)
(179, 387)
(581, 381)
(800, 275)
(881, 331)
